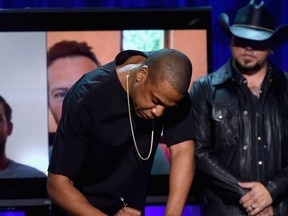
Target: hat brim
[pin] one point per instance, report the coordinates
(250, 34)
(279, 35)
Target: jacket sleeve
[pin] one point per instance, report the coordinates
(278, 185)
(208, 167)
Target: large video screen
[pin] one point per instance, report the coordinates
(24, 82)
(26, 38)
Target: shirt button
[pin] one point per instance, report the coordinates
(220, 117)
(245, 112)
(259, 138)
(245, 147)
(265, 146)
(260, 162)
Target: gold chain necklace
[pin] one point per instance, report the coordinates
(131, 125)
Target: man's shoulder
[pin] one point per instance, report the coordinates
(126, 54)
(93, 82)
(19, 170)
(217, 76)
(279, 74)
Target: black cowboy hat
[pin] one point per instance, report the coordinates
(254, 22)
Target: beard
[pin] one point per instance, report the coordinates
(245, 68)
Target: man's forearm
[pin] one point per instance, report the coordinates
(62, 192)
(181, 177)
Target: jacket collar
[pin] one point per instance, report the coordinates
(228, 72)
(224, 73)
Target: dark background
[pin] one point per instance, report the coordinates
(220, 42)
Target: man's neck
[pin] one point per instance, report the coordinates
(4, 161)
(254, 77)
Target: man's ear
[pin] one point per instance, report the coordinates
(142, 73)
(9, 128)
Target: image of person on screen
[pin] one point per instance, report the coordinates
(107, 137)
(67, 61)
(241, 122)
(8, 167)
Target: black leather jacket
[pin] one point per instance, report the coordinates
(240, 138)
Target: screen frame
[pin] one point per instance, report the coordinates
(86, 19)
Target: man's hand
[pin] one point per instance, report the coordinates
(266, 212)
(127, 211)
(256, 200)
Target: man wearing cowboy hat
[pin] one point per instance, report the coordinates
(241, 122)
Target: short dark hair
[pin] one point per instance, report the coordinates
(7, 109)
(66, 48)
(171, 65)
